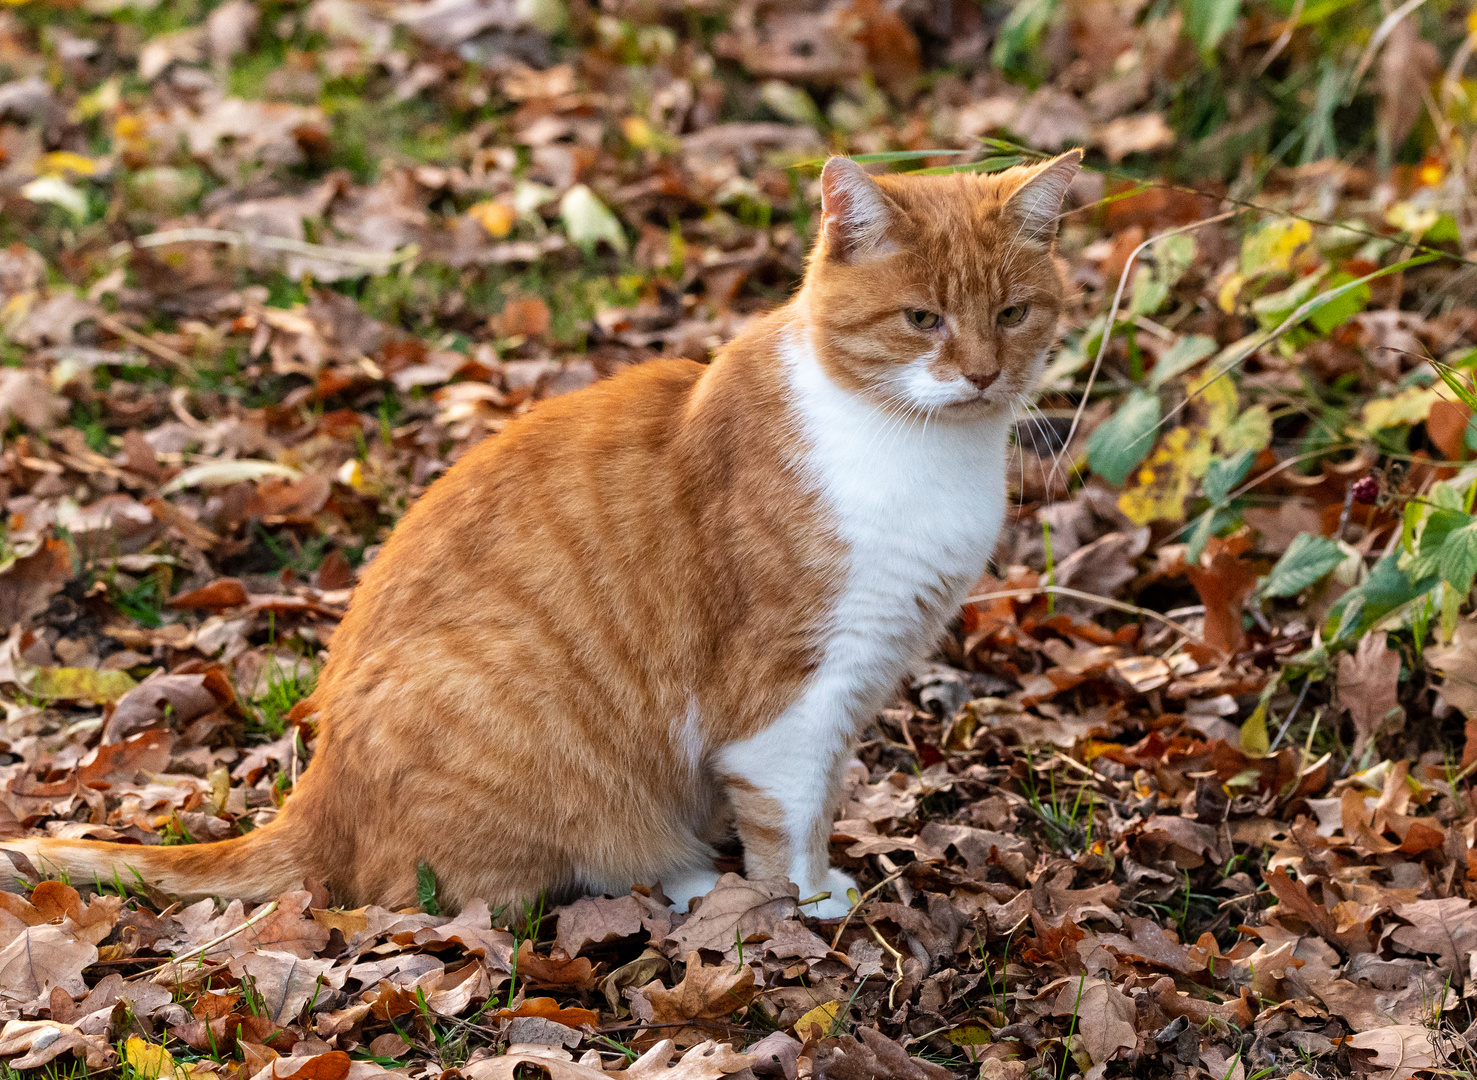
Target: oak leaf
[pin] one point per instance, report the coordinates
(1446, 928)
(736, 909)
(42, 1040)
(705, 993)
(286, 982)
(592, 920)
(555, 970)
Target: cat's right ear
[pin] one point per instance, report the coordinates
(854, 211)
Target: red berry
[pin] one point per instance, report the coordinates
(1366, 490)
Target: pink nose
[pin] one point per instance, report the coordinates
(983, 380)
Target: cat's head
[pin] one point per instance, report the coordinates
(937, 295)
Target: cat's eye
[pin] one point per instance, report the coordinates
(923, 320)
(1012, 315)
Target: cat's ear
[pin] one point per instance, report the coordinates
(855, 211)
(1038, 201)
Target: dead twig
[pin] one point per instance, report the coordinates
(201, 950)
(118, 328)
(370, 260)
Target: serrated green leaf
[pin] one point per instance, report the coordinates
(1387, 588)
(1122, 441)
(1458, 560)
(1307, 560)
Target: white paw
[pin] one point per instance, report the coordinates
(687, 885)
(838, 904)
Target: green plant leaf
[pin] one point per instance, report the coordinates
(425, 888)
(1182, 355)
(1120, 443)
(1459, 558)
(1208, 20)
(1387, 588)
(1330, 317)
(1461, 387)
(1308, 559)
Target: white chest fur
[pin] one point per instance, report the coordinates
(918, 507)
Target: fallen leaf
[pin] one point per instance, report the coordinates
(43, 957)
(1105, 1016)
(736, 909)
(1368, 687)
(706, 993)
(286, 982)
(40, 1041)
(1400, 1051)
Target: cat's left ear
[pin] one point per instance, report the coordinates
(1038, 201)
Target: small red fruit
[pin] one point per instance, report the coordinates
(1366, 490)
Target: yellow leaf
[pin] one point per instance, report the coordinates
(64, 161)
(1254, 741)
(1404, 216)
(1216, 399)
(1226, 298)
(496, 217)
(822, 1016)
(1167, 477)
(637, 132)
(1271, 247)
(1407, 407)
(151, 1062)
(78, 684)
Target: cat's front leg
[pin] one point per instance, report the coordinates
(783, 785)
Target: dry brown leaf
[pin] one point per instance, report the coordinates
(592, 920)
(1399, 1050)
(736, 908)
(556, 970)
(1457, 665)
(1446, 928)
(286, 982)
(42, 1040)
(1368, 687)
(1105, 1016)
(705, 993)
(43, 957)
(28, 584)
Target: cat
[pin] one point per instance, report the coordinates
(662, 608)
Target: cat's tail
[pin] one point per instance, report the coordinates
(261, 865)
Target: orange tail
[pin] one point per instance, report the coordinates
(258, 866)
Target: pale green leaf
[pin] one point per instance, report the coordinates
(1123, 440)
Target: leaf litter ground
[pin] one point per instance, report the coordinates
(1186, 792)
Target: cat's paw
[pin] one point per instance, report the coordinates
(838, 904)
(688, 885)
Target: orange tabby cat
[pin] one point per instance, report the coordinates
(664, 606)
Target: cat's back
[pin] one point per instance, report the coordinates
(532, 495)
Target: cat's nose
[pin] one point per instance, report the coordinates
(982, 380)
